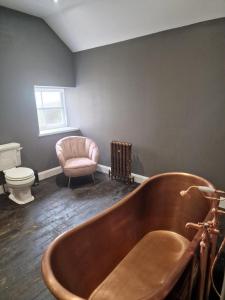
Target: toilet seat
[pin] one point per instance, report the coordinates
(19, 182)
(19, 174)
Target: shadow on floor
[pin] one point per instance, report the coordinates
(76, 182)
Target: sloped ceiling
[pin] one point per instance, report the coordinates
(85, 24)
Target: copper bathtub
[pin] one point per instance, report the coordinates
(78, 261)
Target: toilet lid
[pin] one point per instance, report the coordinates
(19, 173)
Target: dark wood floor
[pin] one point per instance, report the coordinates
(26, 231)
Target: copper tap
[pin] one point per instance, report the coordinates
(208, 256)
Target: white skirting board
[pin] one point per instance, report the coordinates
(101, 168)
(137, 178)
(49, 173)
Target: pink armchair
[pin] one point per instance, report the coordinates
(78, 156)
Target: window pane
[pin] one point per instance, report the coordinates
(50, 107)
(51, 118)
(41, 119)
(38, 99)
(52, 99)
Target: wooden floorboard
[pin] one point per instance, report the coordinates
(26, 231)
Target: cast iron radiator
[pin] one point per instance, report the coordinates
(121, 161)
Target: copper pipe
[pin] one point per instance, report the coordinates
(223, 288)
(207, 249)
(213, 266)
(204, 255)
(192, 276)
(213, 243)
(222, 296)
(193, 225)
(204, 189)
(214, 198)
(198, 187)
(213, 231)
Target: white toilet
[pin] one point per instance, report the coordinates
(18, 179)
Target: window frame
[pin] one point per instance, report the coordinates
(54, 129)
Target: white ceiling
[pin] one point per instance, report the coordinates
(85, 24)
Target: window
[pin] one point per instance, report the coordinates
(51, 109)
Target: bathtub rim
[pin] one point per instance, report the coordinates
(63, 294)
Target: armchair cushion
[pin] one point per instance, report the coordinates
(78, 155)
(79, 166)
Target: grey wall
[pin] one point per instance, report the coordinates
(30, 54)
(165, 93)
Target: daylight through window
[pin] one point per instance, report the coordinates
(51, 110)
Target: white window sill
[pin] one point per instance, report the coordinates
(56, 131)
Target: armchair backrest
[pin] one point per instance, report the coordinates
(76, 146)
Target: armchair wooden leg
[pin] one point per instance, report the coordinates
(93, 178)
(69, 182)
